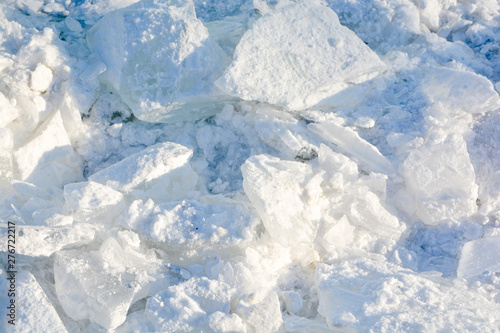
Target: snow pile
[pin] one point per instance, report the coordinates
(250, 166)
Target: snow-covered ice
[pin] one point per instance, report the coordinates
(294, 54)
(250, 165)
(161, 60)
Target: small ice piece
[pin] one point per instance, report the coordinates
(73, 24)
(333, 163)
(161, 60)
(48, 158)
(441, 178)
(144, 167)
(34, 311)
(42, 241)
(292, 300)
(352, 144)
(264, 316)
(41, 78)
(186, 305)
(8, 112)
(91, 201)
(276, 189)
(294, 52)
(85, 292)
(478, 256)
(459, 90)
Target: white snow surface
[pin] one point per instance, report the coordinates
(250, 165)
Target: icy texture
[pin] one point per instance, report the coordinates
(273, 62)
(479, 256)
(90, 201)
(442, 179)
(87, 293)
(48, 158)
(355, 187)
(163, 74)
(152, 164)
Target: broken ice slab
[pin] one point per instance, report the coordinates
(295, 51)
(183, 228)
(276, 188)
(161, 61)
(460, 90)
(442, 179)
(92, 201)
(85, 292)
(48, 158)
(44, 241)
(478, 256)
(34, 311)
(145, 166)
(352, 144)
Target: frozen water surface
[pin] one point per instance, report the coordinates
(250, 165)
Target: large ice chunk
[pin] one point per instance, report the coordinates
(92, 201)
(190, 229)
(146, 167)
(85, 292)
(479, 256)
(48, 158)
(442, 180)
(160, 60)
(294, 52)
